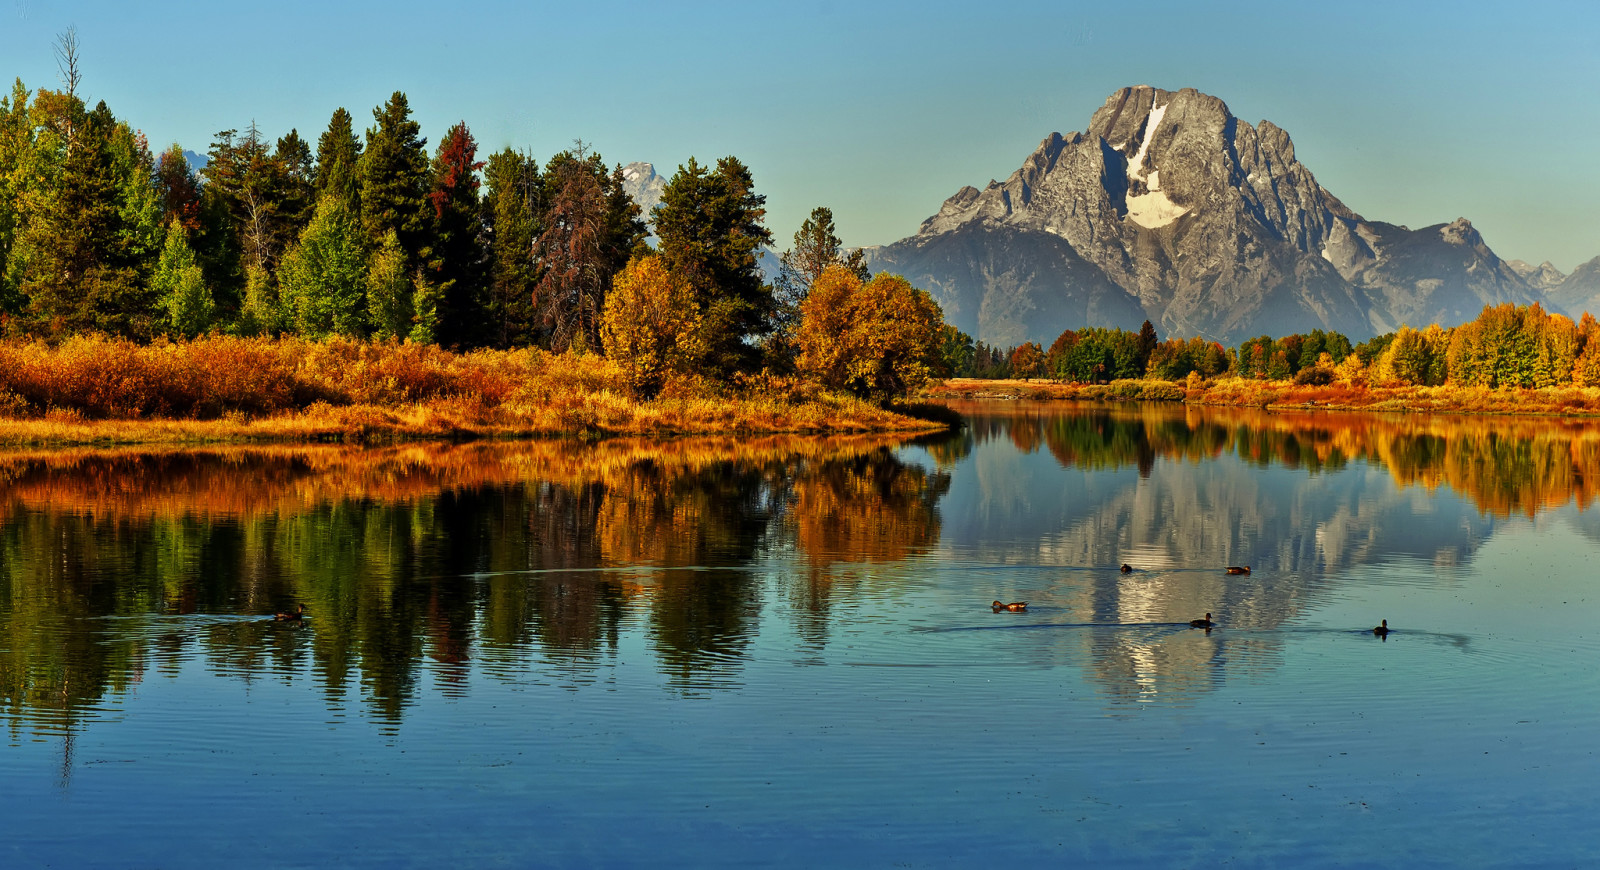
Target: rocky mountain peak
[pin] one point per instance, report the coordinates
(1209, 225)
(643, 185)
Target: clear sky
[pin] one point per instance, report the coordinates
(1411, 112)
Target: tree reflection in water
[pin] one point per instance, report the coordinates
(422, 557)
(423, 564)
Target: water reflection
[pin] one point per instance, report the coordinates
(423, 558)
(422, 566)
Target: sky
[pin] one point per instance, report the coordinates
(1415, 113)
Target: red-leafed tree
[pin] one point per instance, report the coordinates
(456, 259)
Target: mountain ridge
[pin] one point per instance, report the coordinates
(1206, 224)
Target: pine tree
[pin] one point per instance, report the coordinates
(393, 175)
(299, 196)
(179, 189)
(180, 286)
(512, 217)
(457, 259)
(591, 229)
(710, 225)
(79, 277)
(261, 312)
(17, 154)
(338, 155)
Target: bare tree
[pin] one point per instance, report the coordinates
(67, 60)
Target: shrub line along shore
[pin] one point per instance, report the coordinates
(92, 390)
(1569, 401)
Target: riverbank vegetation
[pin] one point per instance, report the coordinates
(1510, 359)
(368, 288)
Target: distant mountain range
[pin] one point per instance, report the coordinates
(1170, 208)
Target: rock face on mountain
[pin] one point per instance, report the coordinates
(643, 185)
(1170, 208)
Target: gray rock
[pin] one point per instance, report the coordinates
(1209, 225)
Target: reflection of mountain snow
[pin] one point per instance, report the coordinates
(1028, 508)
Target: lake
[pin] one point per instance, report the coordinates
(781, 651)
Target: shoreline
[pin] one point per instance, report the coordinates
(1565, 401)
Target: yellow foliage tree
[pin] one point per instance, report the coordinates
(875, 340)
(651, 325)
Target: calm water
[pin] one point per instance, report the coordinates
(780, 651)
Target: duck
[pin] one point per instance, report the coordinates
(1126, 568)
(1014, 607)
(1238, 569)
(291, 616)
(1382, 630)
(1202, 623)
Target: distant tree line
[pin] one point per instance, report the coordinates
(368, 235)
(1505, 346)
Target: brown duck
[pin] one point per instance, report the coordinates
(1014, 607)
(1202, 623)
(293, 615)
(1238, 569)
(1382, 630)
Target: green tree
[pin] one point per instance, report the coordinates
(710, 226)
(79, 274)
(180, 286)
(323, 278)
(393, 180)
(254, 188)
(389, 291)
(298, 199)
(815, 249)
(512, 214)
(260, 312)
(338, 156)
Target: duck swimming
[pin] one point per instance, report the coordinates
(1202, 623)
(1014, 607)
(1382, 630)
(1126, 568)
(292, 616)
(1238, 569)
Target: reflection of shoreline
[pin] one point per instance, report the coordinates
(1505, 465)
(428, 556)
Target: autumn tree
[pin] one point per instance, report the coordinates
(455, 260)
(652, 326)
(1414, 357)
(1028, 361)
(711, 231)
(590, 230)
(876, 340)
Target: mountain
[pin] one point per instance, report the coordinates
(644, 185)
(1580, 291)
(1543, 277)
(1170, 208)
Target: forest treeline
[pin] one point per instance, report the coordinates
(367, 235)
(1505, 346)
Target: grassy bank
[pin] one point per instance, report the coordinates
(1248, 393)
(95, 390)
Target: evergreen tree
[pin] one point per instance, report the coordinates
(299, 196)
(180, 286)
(457, 260)
(79, 276)
(512, 218)
(389, 300)
(255, 189)
(17, 154)
(393, 176)
(323, 278)
(1147, 345)
(815, 249)
(710, 226)
(338, 156)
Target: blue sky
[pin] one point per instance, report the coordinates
(1415, 113)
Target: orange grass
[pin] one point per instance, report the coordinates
(93, 389)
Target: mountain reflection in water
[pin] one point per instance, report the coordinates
(427, 561)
